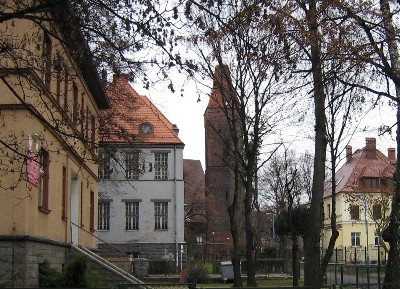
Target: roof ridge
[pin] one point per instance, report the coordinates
(128, 102)
(164, 119)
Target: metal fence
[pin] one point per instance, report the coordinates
(158, 286)
(370, 255)
(344, 273)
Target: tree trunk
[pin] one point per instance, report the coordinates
(312, 236)
(335, 234)
(236, 225)
(250, 235)
(392, 233)
(295, 260)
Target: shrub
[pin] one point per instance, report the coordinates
(209, 267)
(49, 277)
(269, 252)
(75, 275)
(197, 274)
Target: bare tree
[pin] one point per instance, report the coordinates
(113, 33)
(283, 183)
(375, 21)
(376, 207)
(239, 38)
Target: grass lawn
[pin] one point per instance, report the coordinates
(260, 283)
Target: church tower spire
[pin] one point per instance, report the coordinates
(219, 178)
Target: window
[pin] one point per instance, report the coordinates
(44, 180)
(132, 165)
(329, 210)
(66, 77)
(87, 123)
(377, 240)
(132, 216)
(161, 166)
(93, 131)
(388, 182)
(104, 165)
(161, 215)
(82, 116)
(354, 212)
(47, 47)
(91, 211)
(75, 104)
(58, 81)
(371, 182)
(355, 239)
(377, 211)
(64, 194)
(83, 211)
(103, 216)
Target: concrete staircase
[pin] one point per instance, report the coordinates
(110, 274)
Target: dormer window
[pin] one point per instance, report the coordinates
(354, 212)
(387, 182)
(371, 182)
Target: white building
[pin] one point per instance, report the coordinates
(141, 195)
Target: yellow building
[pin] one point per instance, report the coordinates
(364, 190)
(50, 97)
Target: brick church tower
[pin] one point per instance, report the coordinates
(219, 179)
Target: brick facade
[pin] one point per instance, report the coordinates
(219, 177)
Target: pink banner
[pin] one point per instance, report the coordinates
(33, 169)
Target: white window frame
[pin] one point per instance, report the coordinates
(329, 210)
(44, 172)
(132, 165)
(104, 166)
(377, 240)
(161, 166)
(131, 216)
(355, 239)
(103, 220)
(160, 215)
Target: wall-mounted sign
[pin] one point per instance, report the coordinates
(33, 169)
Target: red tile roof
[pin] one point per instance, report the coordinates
(129, 111)
(360, 164)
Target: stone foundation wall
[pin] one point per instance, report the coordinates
(20, 257)
(150, 251)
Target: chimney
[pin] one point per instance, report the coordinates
(349, 153)
(175, 129)
(124, 76)
(104, 77)
(391, 154)
(370, 147)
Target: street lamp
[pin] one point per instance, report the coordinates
(213, 242)
(228, 245)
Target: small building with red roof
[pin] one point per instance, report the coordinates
(141, 195)
(364, 189)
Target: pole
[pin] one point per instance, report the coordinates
(181, 256)
(366, 231)
(379, 262)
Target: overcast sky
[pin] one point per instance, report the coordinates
(187, 113)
